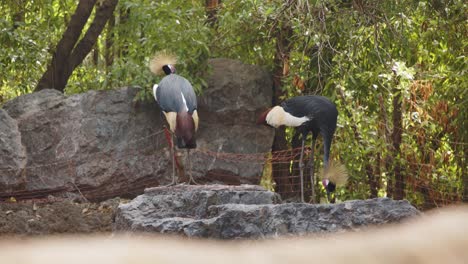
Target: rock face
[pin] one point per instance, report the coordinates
(12, 152)
(93, 140)
(248, 212)
(237, 93)
(103, 143)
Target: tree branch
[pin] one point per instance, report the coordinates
(103, 13)
(53, 76)
(69, 54)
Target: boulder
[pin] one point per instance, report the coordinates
(246, 211)
(12, 153)
(237, 93)
(93, 142)
(103, 144)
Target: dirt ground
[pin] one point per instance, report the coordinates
(27, 218)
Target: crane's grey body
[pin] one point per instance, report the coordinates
(176, 94)
(178, 102)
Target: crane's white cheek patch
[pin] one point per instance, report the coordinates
(195, 119)
(171, 119)
(275, 117)
(278, 117)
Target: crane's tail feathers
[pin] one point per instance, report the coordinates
(336, 173)
(160, 59)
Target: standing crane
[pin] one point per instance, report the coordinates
(178, 102)
(315, 114)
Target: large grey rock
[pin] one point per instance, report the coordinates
(12, 153)
(229, 108)
(96, 141)
(236, 92)
(104, 143)
(248, 212)
(193, 200)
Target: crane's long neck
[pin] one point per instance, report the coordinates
(326, 151)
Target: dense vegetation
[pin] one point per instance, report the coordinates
(396, 69)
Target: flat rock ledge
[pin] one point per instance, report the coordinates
(248, 211)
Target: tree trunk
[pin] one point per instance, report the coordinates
(109, 51)
(212, 8)
(374, 181)
(18, 16)
(96, 55)
(396, 142)
(281, 175)
(69, 54)
(124, 16)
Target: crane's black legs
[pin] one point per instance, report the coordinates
(312, 170)
(173, 154)
(170, 140)
(301, 169)
(189, 168)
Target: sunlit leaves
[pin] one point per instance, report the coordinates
(28, 33)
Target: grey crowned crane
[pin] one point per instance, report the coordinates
(178, 102)
(315, 114)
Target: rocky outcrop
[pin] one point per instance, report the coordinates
(94, 141)
(105, 143)
(236, 94)
(248, 212)
(12, 153)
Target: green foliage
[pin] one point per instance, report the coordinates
(28, 31)
(242, 32)
(416, 40)
(349, 52)
(141, 29)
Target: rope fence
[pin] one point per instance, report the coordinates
(284, 164)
